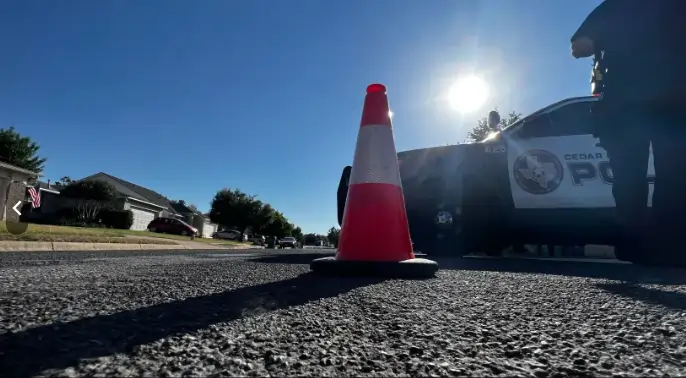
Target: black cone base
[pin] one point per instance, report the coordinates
(413, 268)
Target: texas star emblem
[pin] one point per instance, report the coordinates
(538, 172)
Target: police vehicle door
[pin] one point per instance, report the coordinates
(556, 163)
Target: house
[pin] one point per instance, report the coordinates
(49, 197)
(146, 205)
(13, 183)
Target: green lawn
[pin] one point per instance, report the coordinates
(39, 232)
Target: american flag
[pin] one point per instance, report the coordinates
(35, 197)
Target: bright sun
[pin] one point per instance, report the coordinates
(468, 94)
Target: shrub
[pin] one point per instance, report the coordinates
(120, 219)
(58, 218)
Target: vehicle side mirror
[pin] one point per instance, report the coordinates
(493, 120)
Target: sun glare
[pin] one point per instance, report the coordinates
(468, 94)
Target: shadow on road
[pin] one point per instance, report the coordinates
(617, 272)
(61, 345)
(651, 296)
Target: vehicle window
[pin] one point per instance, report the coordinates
(536, 128)
(573, 119)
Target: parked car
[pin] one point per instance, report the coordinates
(171, 226)
(257, 239)
(288, 242)
(544, 179)
(227, 235)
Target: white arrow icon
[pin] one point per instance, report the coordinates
(15, 207)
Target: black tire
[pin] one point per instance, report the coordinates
(480, 227)
(342, 193)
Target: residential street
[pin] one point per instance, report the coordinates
(255, 313)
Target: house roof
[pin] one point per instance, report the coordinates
(14, 168)
(45, 186)
(182, 208)
(42, 185)
(129, 189)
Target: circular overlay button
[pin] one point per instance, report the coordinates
(16, 228)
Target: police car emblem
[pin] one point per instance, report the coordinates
(538, 172)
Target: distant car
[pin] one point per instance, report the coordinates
(257, 239)
(288, 242)
(227, 235)
(171, 226)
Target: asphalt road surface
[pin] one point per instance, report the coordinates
(245, 313)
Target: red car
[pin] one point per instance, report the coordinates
(171, 226)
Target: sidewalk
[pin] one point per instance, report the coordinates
(189, 244)
(19, 246)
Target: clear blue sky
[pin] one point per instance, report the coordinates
(187, 97)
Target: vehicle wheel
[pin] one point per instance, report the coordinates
(342, 193)
(152, 229)
(184, 233)
(444, 234)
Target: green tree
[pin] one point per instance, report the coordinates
(233, 208)
(20, 151)
(333, 235)
(91, 197)
(481, 131)
(279, 226)
(297, 233)
(262, 217)
(63, 182)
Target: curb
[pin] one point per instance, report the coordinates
(599, 252)
(19, 246)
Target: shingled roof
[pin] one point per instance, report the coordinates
(132, 190)
(181, 208)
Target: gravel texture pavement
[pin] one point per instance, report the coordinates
(211, 314)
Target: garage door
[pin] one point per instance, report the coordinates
(207, 230)
(141, 218)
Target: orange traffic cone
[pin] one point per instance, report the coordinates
(375, 237)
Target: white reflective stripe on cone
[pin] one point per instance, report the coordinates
(376, 161)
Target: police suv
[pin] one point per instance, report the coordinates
(542, 180)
